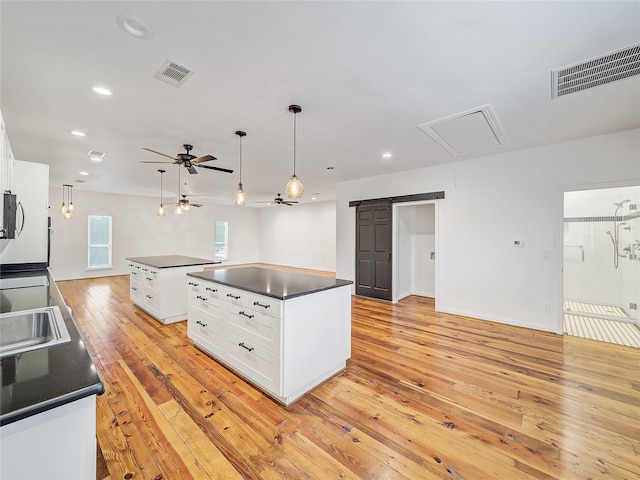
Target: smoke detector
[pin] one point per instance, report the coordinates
(597, 71)
(173, 73)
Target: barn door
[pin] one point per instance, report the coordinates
(373, 251)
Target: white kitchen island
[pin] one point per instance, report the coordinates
(285, 332)
(157, 284)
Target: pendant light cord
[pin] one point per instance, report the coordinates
(241, 158)
(294, 143)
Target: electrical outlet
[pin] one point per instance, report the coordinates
(633, 206)
(633, 306)
(433, 255)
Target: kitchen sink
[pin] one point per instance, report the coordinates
(28, 330)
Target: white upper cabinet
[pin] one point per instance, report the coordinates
(6, 168)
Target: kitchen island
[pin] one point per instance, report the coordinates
(48, 405)
(157, 284)
(285, 332)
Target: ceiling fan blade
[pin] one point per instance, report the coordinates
(226, 170)
(191, 169)
(205, 158)
(144, 161)
(159, 153)
(195, 204)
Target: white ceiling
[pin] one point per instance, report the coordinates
(365, 73)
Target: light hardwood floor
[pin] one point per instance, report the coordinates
(425, 396)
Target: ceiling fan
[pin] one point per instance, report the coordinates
(188, 160)
(280, 201)
(185, 204)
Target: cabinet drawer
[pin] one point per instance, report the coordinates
(204, 308)
(150, 281)
(234, 295)
(256, 363)
(136, 294)
(267, 305)
(152, 303)
(207, 289)
(255, 327)
(206, 332)
(136, 277)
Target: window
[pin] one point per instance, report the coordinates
(222, 241)
(99, 241)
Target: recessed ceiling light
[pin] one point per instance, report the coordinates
(386, 155)
(78, 133)
(84, 174)
(134, 26)
(102, 91)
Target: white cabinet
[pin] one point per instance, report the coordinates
(161, 292)
(56, 444)
(31, 186)
(285, 347)
(6, 167)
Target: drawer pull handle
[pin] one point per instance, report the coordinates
(134, 288)
(204, 299)
(148, 296)
(235, 297)
(145, 269)
(241, 344)
(245, 314)
(201, 323)
(211, 289)
(194, 284)
(261, 305)
(150, 279)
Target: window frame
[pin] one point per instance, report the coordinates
(224, 244)
(101, 245)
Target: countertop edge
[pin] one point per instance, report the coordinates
(149, 263)
(203, 276)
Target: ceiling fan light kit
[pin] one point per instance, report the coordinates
(294, 187)
(240, 197)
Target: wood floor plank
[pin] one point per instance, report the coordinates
(425, 395)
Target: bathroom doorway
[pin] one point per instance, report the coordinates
(601, 264)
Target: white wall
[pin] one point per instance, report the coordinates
(303, 236)
(489, 202)
(137, 231)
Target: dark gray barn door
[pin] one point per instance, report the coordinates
(373, 251)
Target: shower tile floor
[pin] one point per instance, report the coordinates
(586, 320)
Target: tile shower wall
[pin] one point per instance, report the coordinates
(589, 272)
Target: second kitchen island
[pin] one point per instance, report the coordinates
(285, 332)
(156, 284)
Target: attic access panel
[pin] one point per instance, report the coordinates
(475, 129)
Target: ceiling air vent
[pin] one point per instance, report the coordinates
(597, 71)
(475, 129)
(173, 73)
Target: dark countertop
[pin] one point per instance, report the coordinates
(40, 380)
(172, 261)
(272, 283)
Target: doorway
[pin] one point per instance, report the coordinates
(601, 264)
(415, 250)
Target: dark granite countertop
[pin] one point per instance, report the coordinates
(172, 261)
(40, 380)
(272, 283)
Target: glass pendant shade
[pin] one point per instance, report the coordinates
(240, 198)
(178, 209)
(294, 187)
(66, 209)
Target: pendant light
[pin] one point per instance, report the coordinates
(179, 209)
(161, 211)
(294, 188)
(66, 209)
(240, 197)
